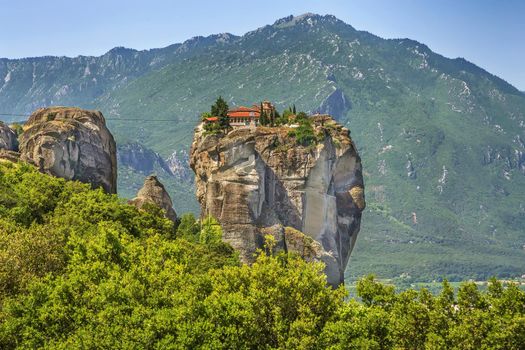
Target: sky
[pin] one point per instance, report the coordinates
(489, 33)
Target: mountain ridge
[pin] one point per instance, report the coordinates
(119, 52)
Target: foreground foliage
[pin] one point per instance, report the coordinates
(82, 269)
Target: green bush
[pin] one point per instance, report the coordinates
(304, 134)
(212, 129)
(82, 269)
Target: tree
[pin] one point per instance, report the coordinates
(301, 117)
(211, 231)
(374, 293)
(263, 119)
(287, 113)
(220, 110)
(276, 114)
(188, 228)
(304, 134)
(293, 109)
(82, 269)
(212, 128)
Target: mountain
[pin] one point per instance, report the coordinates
(442, 140)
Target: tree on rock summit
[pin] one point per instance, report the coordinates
(220, 109)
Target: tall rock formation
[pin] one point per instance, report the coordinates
(71, 143)
(8, 144)
(8, 140)
(258, 181)
(153, 192)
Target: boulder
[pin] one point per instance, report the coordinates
(8, 139)
(71, 143)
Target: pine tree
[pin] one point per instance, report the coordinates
(220, 110)
(293, 110)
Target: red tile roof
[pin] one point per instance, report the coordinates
(243, 108)
(244, 112)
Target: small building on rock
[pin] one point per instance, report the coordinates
(242, 116)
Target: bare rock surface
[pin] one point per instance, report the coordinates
(8, 139)
(153, 192)
(71, 143)
(10, 156)
(258, 181)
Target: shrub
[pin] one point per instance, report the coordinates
(304, 133)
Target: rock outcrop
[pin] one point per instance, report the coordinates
(258, 181)
(8, 139)
(10, 156)
(153, 192)
(71, 143)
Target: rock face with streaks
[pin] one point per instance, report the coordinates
(153, 192)
(71, 143)
(8, 139)
(257, 181)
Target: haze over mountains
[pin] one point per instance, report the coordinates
(442, 140)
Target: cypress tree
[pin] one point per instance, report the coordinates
(264, 119)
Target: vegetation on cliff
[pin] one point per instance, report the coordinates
(301, 125)
(218, 110)
(81, 269)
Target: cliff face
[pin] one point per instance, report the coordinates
(71, 143)
(153, 192)
(258, 181)
(8, 140)
(8, 144)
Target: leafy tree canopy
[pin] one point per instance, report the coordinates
(82, 269)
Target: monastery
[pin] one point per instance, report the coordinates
(246, 116)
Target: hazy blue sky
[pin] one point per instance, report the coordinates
(490, 33)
